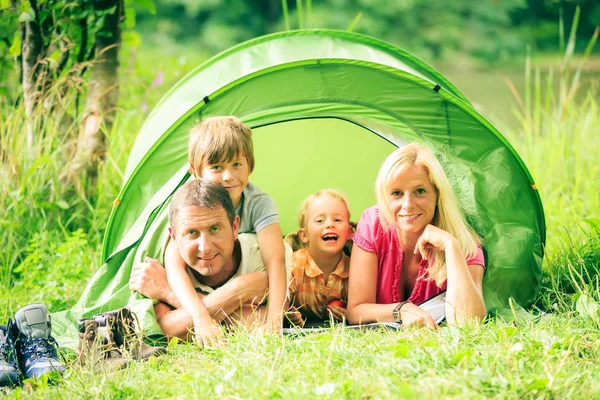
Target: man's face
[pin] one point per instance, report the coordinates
(205, 238)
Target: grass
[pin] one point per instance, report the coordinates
(51, 244)
(543, 359)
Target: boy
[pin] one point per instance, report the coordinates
(221, 150)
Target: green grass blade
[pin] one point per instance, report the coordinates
(300, 13)
(537, 110)
(572, 38)
(286, 14)
(561, 30)
(591, 43)
(549, 92)
(355, 22)
(528, 84)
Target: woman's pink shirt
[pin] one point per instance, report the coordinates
(370, 236)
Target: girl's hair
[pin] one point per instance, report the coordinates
(218, 139)
(447, 213)
(293, 239)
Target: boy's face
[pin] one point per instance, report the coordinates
(233, 175)
(205, 238)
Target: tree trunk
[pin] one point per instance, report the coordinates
(31, 50)
(102, 95)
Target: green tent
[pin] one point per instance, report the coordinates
(326, 108)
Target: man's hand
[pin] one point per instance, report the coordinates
(294, 316)
(150, 279)
(208, 333)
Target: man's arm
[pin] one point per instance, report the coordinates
(222, 304)
(246, 289)
(149, 278)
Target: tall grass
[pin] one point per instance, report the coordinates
(51, 232)
(559, 140)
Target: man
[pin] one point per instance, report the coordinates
(226, 270)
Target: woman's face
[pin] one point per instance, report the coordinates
(412, 198)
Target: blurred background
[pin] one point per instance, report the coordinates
(476, 44)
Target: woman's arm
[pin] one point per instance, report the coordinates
(272, 251)
(362, 290)
(362, 296)
(207, 332)
(464, 299)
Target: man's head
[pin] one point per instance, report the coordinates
(204, 226)
(221, 150)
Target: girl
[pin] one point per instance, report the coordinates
(319, 282)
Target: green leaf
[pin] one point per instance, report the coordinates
(146, 4)
(63, 204)
(129, 18)
(587, 307)
(173, 343)
(537, 384)
(466, 354)
(15, 47)
(27, 16)
(4, 4)
(132, 39)
(25, 6)
(593, 223)
(402, 350)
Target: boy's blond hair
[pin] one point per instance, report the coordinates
(447, 215)
(219, 139)
(293, 239)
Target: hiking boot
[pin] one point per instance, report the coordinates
(36, 348)
(95, 346)
(10, 374)
(88, 340)
(126, 337)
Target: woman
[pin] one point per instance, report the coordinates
(411, 246)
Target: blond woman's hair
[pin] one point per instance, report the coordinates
(447, 217)
(219, 139)
(293, 239)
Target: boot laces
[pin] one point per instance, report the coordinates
(6, 351)
(39, 347)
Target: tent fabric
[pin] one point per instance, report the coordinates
(326, 107)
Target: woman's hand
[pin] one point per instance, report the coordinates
(414, 316)
(433, 238)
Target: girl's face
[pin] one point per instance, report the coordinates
(327, 226)
(412, 198)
